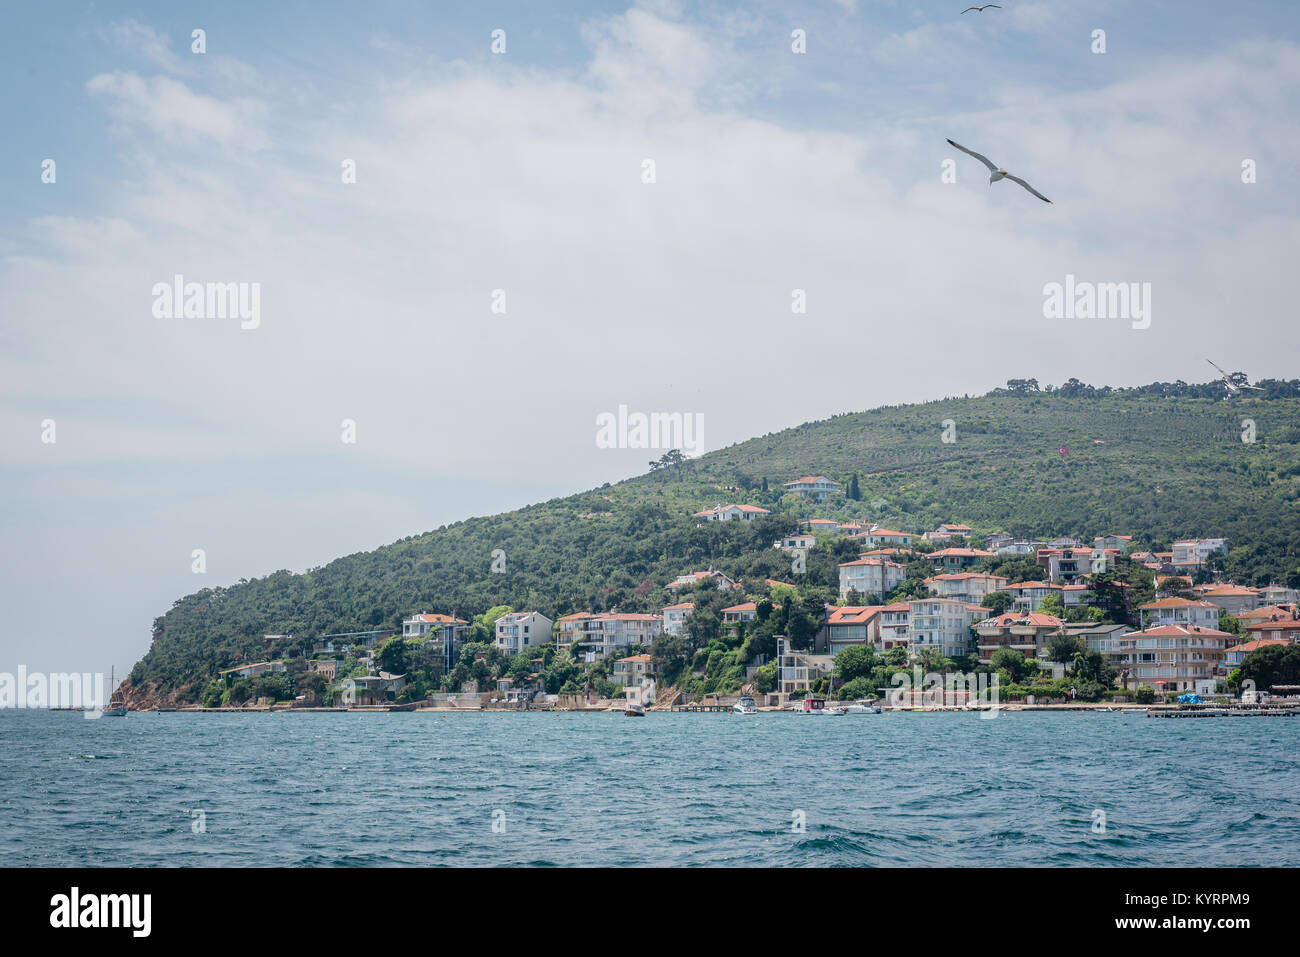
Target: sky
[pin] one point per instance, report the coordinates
(616, 209)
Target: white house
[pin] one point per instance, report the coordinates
(522, 631)
(818, 486)
(870, 576)
(1180, 611)
(970, 587)
(944, 625)
(803, 541)
(1028, 596)
(675, 617)
(727, 513)
(1193, 552)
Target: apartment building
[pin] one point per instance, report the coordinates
(522, 631)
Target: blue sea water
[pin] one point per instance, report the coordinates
(385, 789)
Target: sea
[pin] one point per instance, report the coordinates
(557, 789)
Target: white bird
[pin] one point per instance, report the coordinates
(996, 174)
(983, 8)
(1232, 386)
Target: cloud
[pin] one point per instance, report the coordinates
(169, 108)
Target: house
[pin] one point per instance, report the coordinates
(958, 559)
(1064, 542)
(1265, 612)
(1278, 595)
(1281, 627)
(818, 486)
(1179, 611)
(1236, 654)
(798, 670)
(675, 617)
(255, 669)
(1117, 542)
(727, 513)
(632, 670)
(329, 667)
(870, 576)
(895, 627)
(969, 587)
(449, 630)
(1171, 657)
(1195, 552)
(1234, 599)
(850, 625)
(1065, 564)
(947, 530)
(803, 541)
(997, 540)
(1099, 637)
(1026, 632)
(943, 624)
(734, 615)
(1021, 546)
(852, 528)
(1104, 560)
(1027, 596)
(521, 631)
(370, 689)
(886, 536)
(605, 634)
(692, 579)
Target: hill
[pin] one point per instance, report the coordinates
(1158, 463)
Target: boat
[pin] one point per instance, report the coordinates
(112, 683)
(744, 706)
(634, 711)
(859, 707)
(815, 706)
(636, 708)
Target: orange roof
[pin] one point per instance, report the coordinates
(853, 614)
(439, 619)
(811, 478)
(682, 606)
(1258, 643)
(1229, 590)
(1172, 631)
(743, 606)
(630, 658)
(1037, 619)
(871, 561)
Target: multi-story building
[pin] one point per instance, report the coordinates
(947, 531)
(895, 627)
(1027, 596)
(1023, 632)
(850, 625)
(734, 615)
(1278, 595)
(632, 670)
(606, 634)
(675, 617)
(798, 540)
(446, 629)
(1179, 611)
(818, 486)
(1172, 657)
(1194, 552)
(1234, 599)
(886, 536)
(799, 670)
(1236, 654)
(522, 631)
(969, 587)
(870, 576)
(943, 625)
(1065, 564)
(958, 559)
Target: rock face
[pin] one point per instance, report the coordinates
(145, 698)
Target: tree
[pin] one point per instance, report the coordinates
(997, 602)
(855, 661)
(1010, 661)
(853, 493)
(392, 655)
(1052, 605)
(1062, 647)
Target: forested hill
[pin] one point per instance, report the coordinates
(1158, 463)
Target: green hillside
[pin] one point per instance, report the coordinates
(1158, 463)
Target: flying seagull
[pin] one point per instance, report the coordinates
(996, 174)
(983, 8)
(1234, 386)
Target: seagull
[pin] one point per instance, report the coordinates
(983, 8)
(996, 174)
(1233, 386)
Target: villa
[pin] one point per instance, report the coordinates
(1023, 632)
(818, 486)
(521, 631)
(727, 513)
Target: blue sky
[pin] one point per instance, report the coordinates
(522, 171)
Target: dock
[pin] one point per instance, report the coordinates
(1227, 713)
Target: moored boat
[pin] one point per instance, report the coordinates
(744, 706)
(815, 706)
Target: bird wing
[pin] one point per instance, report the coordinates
(1221, 372)
(1257, 388)
(967, 10)
(1017, 179)
(982, 159)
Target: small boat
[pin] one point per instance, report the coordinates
(859, 708)
(634, 711)
(636, 705)
(815, 706)
(744, 706)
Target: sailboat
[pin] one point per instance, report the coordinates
(112, 684)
